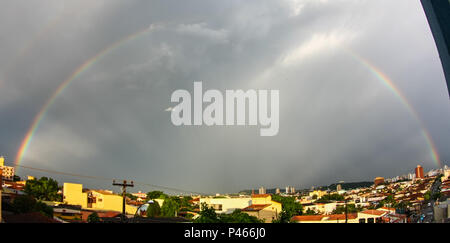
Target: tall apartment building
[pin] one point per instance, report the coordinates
(419, 172)
(8, 171)
(262, 190)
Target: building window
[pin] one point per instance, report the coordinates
(370, 220)
(362, 221)
(217, 207)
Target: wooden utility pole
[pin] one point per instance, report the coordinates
(124, 186)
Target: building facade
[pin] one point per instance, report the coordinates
(419, 172)
(8, 172)
(225, 204)
(263, 208)
(73, 194)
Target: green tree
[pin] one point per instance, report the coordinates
(170, 207)
(207, 215)
(23, 204)
(43, 189)
(185, 204)
(27, 204)
(93, 218)
(330, 198)
(351, 208)
(436, 196)
(310, 212)
(238, 217)
(154, 194)
(131, 196)
(290, 208)
(153, 210)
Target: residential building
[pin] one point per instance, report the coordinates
(335, 218)
(419, 172)
(262, 190)
(7, 171)
(263, 208)
(378, 181)
(226, 205)
(73, 194)
(140, 196)
(368, 216)
(318, 193)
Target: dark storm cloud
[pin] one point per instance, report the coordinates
(337, 120)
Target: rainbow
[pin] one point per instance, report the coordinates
(80, 70)
(90, 62)
(391, 86)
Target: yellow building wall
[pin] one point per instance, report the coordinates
(73, 194)
(111, 203)
(262, 200)
(228, 204)
(318, 193)
(160, 201)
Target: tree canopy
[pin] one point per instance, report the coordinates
(27, 204)
(93, 218)
(156, 195)
(330, 198)
(153, 210)
(209, 215)
(290, 208)
(170, 207)
(43, 189)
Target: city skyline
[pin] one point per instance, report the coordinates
(362, 92)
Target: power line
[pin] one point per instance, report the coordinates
(65, 173)
(105, 179)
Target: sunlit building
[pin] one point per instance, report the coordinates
(419, 172)
(263, 208)
(378, 181)
(74, 194)
(7, 171)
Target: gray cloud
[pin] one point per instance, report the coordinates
(337, 120)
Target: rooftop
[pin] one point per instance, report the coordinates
(256, 207)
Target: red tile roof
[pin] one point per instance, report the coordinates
(256, 207)
(388, 209)
(308, 218)
(342, 216)
(106, 214)
(374, 212)
(260, 195)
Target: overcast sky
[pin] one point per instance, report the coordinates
(338, 121)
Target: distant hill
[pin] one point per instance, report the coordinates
(348, 185)
(345, 186)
